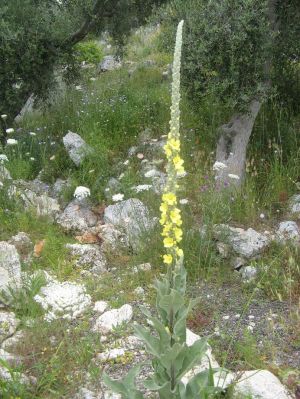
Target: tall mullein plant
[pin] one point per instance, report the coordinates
(172, 359)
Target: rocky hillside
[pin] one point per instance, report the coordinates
(80, 189)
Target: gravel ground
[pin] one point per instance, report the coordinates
(230, 311)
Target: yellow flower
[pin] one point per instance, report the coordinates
(175, 217)
(168, 259)
(174, 144)
(167, 229)
(163, 207)
(169, 242)
(168, 151)
(178, 234)
(169, 198)
(179, 252)
(178, 163)
(162, 220)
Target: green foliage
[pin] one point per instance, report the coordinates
(229, 48)
(22, 299)
(89, 52)
(37, 40)
(172, 358)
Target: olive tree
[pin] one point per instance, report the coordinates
(38, 36)
(242, 52)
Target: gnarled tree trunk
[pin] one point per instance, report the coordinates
(232, 145)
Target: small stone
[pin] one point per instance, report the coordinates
(113, 318)
(223, 249)
(139, 291)
(144, 267)
(110, 354)
(249, 273)
(8, 325)
(237, 263)
(76, 147)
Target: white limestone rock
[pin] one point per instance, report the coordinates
(10, 266)
(139, 291)
(248, 243)
(261, 384)
(109, 63)
(4, 173)
(144, 267)
(288, 231)
(131, 216)
(111, 354)
(294, 205)
(42, 204)
(76, 147)
(63, 300)
(111, 395)
(11, 359)
(8, 325)
(89, 255)
(23, 245)
(113, 318)
(100, 307)
(113, 240)
(10, 342)
(85, 393)
(249, 273)
(77, 218)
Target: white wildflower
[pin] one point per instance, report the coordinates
(79, 88)
(183, 201)
(121, 176)
(52, 158)
(262, 216)
(32, 133)
(219, 166)
(12, 142)
(32, 159)
(1, 184)
(3, 158)
(4, 116)
(140, 156)
(126, 162)
(152, 173)
(117, 197)
(234, 177)
(142, 187)
(82, 192)
(93, 79)
(10, 130)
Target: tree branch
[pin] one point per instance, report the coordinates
(89, 23)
